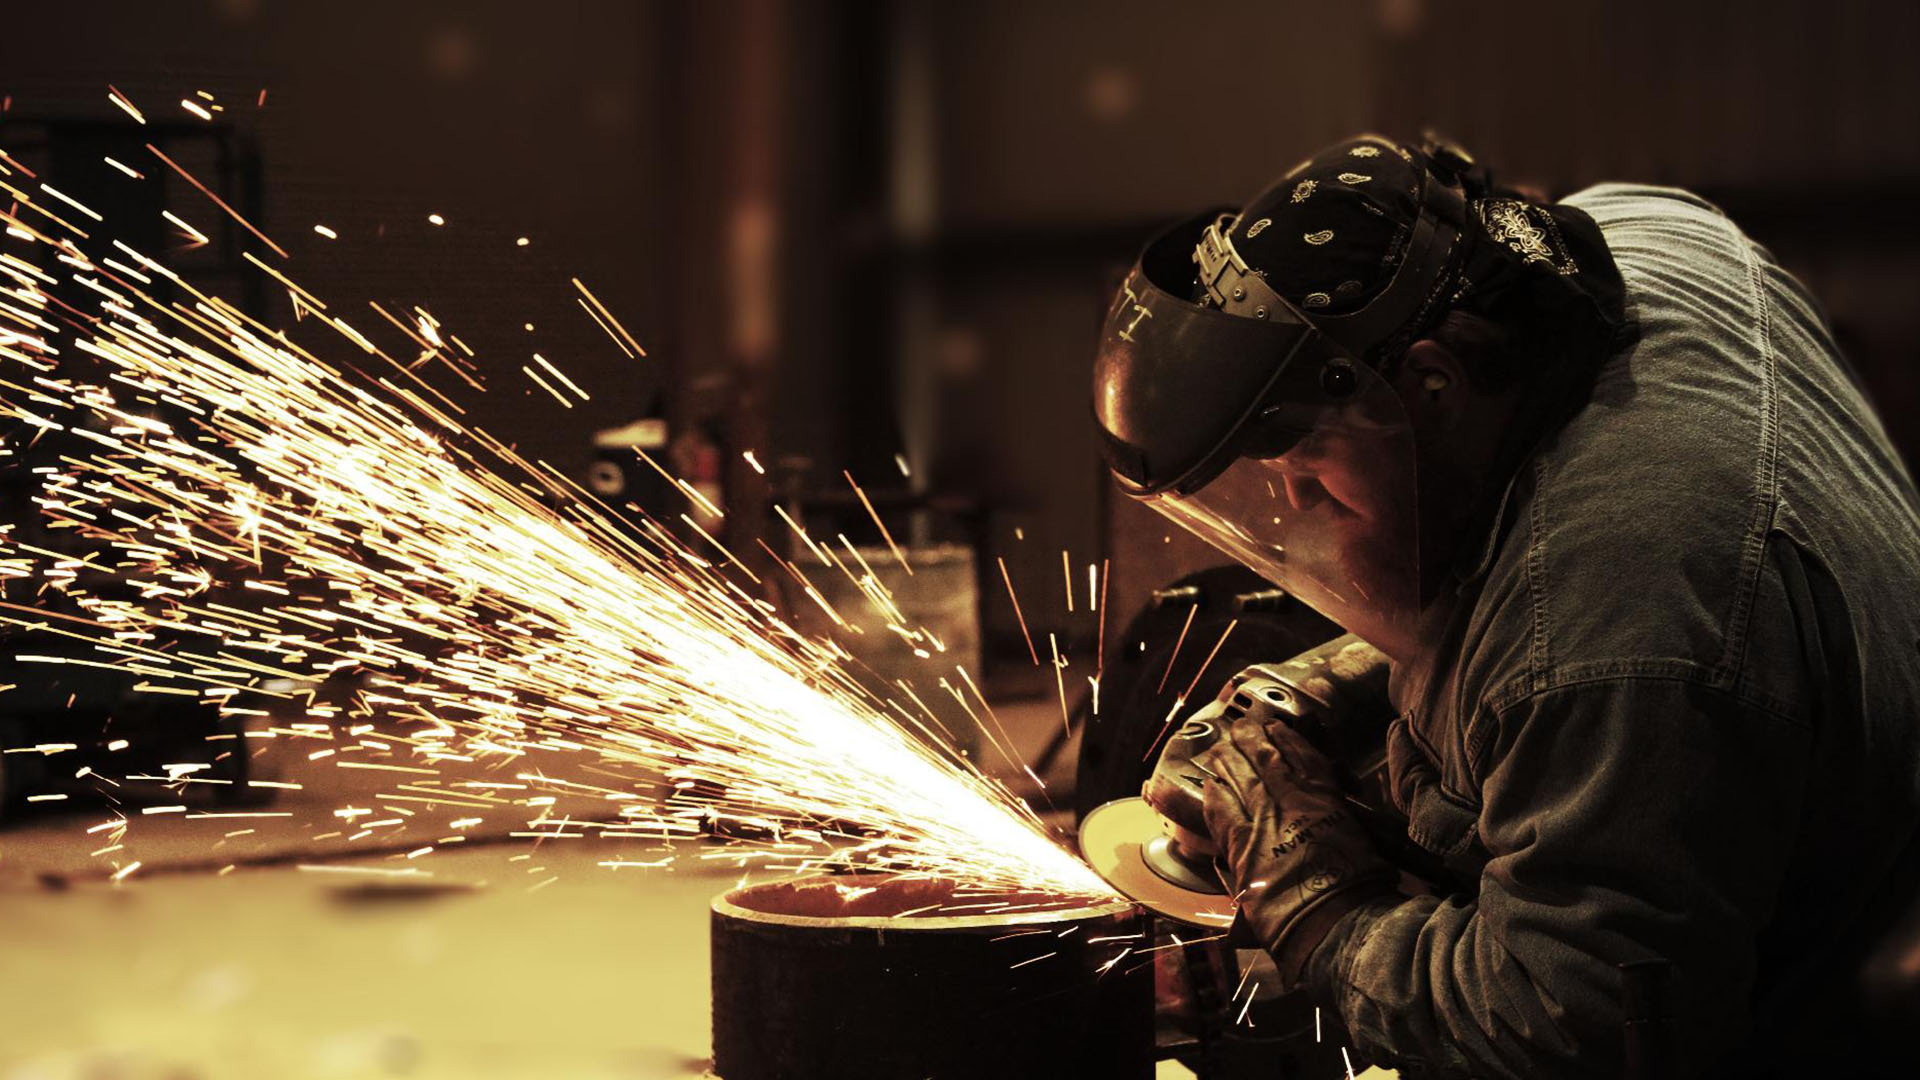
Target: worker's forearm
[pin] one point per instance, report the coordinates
(1625, 819)
(1421, 987)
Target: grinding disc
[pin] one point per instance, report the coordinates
(1112, 839)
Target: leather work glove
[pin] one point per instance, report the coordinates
(1291, 855)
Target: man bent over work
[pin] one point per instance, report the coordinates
(1594, 479)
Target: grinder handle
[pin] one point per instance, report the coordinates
(1175, 787)
(1316, 693)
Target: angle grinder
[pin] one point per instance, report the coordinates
(1164, 862)
(1164, 859)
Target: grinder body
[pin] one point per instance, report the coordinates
(1334, 695)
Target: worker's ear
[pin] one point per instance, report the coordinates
(1433, 384)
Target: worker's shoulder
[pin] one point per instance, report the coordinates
(1613, 200)
(1632, 569)
(1637, 531)
(1690, 272)
(1629, 212)
(1666, 530)
(1644, 588)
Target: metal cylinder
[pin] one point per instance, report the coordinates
(877, 976)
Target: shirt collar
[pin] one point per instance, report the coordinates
(1477, 558)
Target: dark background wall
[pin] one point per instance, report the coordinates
(846, 231)
(506, 119)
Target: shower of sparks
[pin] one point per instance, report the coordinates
(898, 556)
(71, 201)
(1204, 664)
(1180, 699)
(1244, 1008)
(125, 106)
(1060, 683)
(1100, 641)
(542, 383)
(217, 201)
(8, 164)
(1246, 977)
(607, 322)
(1177, 643)
(250, 523)
(1017, 614)
(560, 375)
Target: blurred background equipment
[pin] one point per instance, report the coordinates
(619, 475)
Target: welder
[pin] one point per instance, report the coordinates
(1594, 481)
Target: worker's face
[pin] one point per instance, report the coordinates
(1333, 521)
(1344, 475)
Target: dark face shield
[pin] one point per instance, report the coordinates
(1263, 438)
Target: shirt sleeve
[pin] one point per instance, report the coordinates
(1625, 819)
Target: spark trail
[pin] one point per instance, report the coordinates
(222, 511)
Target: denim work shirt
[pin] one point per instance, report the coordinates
(1671, 709)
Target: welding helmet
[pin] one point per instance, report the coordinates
(1247, 402)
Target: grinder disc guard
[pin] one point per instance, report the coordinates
(1121, 837)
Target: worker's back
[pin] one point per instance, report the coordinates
(1827, 628)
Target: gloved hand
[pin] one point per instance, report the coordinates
(1292, 856)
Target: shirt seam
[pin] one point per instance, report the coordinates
(1538, 656)
(1766, 480)
(1701, 676)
